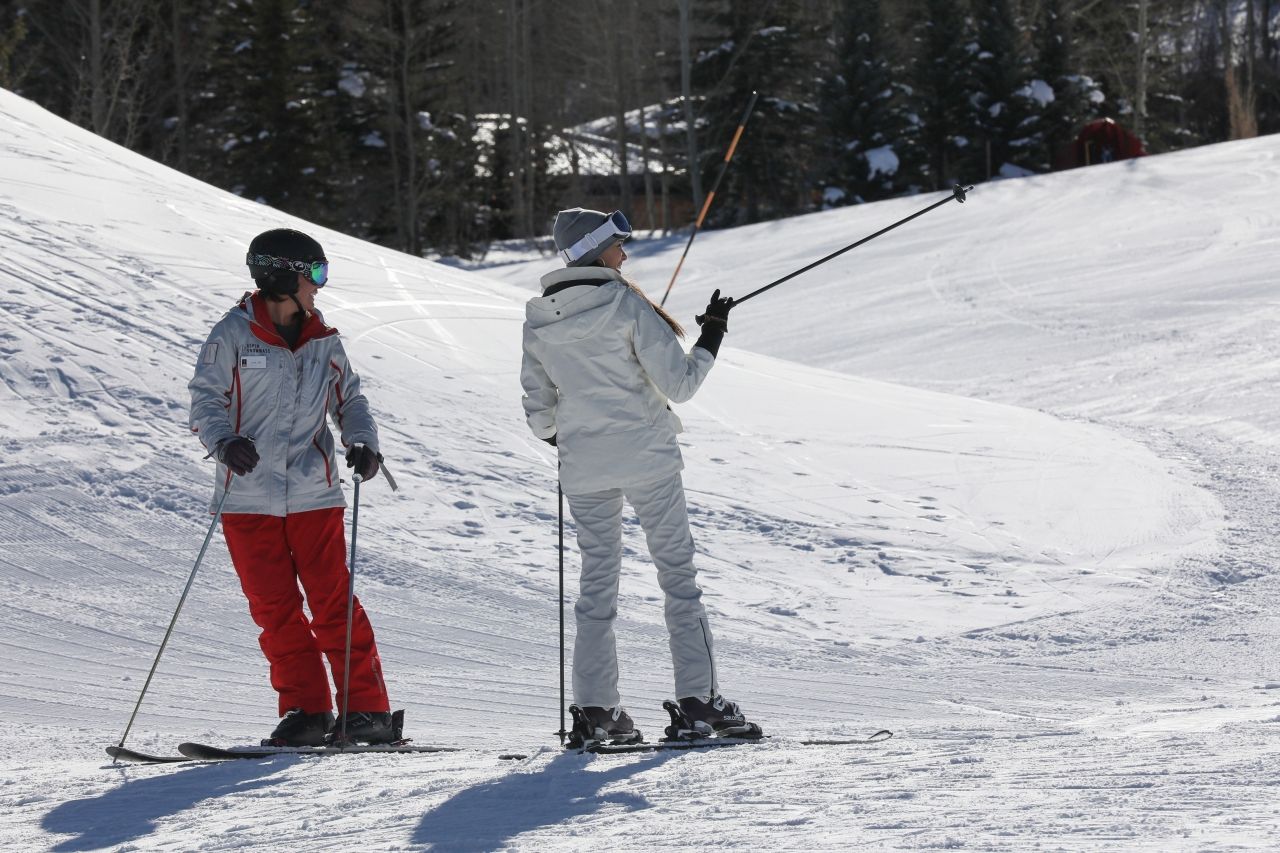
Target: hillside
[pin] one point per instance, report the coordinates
(980, 576)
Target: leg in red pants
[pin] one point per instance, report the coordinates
(271, 555)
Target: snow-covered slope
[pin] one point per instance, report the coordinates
(873, 555)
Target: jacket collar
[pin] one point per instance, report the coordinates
(264, 328)
(558, 280)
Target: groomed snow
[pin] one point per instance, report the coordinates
(1002, 511)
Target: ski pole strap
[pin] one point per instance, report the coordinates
(958, 193)
(391, 481)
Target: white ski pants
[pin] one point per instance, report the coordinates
(660, 507)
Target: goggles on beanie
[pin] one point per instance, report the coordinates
(616, 225)
(316, 271)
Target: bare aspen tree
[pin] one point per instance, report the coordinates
(617, 67)
(103, 51)
(1140, 88)
(663, 158)
(12, 36)
(515, 108)
(1242, 117)
(640, 64)
(686, 97)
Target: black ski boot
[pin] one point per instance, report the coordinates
(298, 728)
(369, 727)
(695, 717)
(594, 724)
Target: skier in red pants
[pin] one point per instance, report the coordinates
(269, 375)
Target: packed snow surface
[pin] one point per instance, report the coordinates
(1001, 481)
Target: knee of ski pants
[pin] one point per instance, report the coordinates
(595, 611)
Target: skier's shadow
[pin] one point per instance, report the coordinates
(486, 817)
(130, 810)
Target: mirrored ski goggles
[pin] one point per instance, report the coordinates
(615, 226)
(316, 271)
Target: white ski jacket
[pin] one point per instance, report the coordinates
(599, 367)
(249, 383)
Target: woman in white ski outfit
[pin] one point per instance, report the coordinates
(600, 364)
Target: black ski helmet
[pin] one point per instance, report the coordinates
(269, 256)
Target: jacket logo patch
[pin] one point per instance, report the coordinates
(210, 354)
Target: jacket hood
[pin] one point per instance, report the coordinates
(576, 311)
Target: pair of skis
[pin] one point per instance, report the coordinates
(205, 752)
(682, 735)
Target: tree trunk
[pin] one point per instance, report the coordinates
(97, 85)
(686, 95)
(409, 120)
(1140, 88)
(517, 131)
(620, 119)
(177, 15)
(1242, 117)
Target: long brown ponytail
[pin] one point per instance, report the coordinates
(671, 321)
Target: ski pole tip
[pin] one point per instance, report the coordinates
(960, 190)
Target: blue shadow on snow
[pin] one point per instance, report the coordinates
(130, 811)
(487, 816)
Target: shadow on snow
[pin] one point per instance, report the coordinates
(131, 810)
(486, 817)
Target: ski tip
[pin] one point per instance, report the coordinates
(120, 753)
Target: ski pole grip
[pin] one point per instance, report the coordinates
(355, 477)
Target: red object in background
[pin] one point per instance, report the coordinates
(1100, 141)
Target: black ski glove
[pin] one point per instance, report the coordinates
(239, 454)
(714, 323)
(717, 311)
(364, 460)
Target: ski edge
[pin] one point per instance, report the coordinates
(713, 742)
(206, 752)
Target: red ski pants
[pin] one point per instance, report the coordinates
(272, 555)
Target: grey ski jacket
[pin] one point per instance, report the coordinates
(599, 367)
(247, 382)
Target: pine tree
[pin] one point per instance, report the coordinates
(865, 126)
(417, 142)
(1004, 114)
(769, 50)
(1074, 96)
(264, 111)
(943, 91)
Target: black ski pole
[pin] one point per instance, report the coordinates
(174, 621)
(560, 551)
(957, 194)
(706, 203)
(351, 600)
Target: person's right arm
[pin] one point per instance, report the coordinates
(215, 388)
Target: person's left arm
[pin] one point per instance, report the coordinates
(348, 406)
